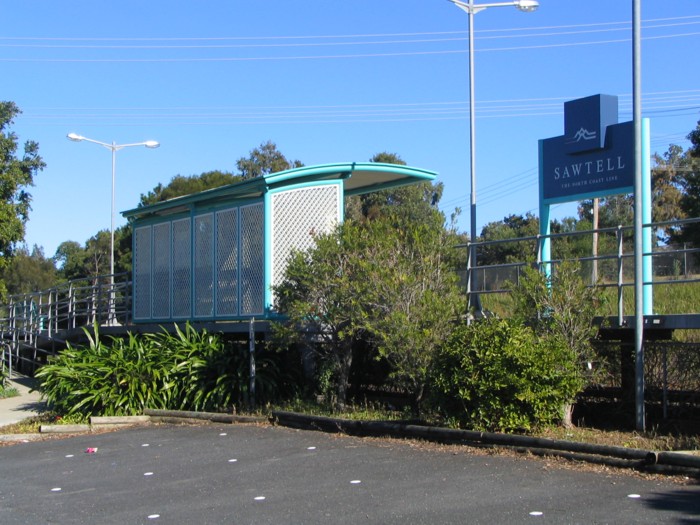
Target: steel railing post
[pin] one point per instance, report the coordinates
(620, 277)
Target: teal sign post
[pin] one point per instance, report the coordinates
(594, 158)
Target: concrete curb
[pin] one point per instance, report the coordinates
(650, 461)
(213, 417)
(113, 421)
(64, 429)
(177, 417)
(12, 438)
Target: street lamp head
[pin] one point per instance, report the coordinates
(75, 137)
(527, 5)
(151, 144)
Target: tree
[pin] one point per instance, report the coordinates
(511, 227)
(263, 160)
(28, 272)
(70, 260)
(75, 261)
(325, 292)
(376, 282)
(417, 301)
(667, 190)
(412, 203)
(694, 138)
(560, 308)
(16, 174)
(574, 246)
(98, 254)
(615, 210)
(690, 202)
(180, 185)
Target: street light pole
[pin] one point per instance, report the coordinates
(471, 9)
(114, 147)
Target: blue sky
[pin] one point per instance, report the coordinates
(327, 82)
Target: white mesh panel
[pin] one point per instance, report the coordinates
(227, 262)
(203, 266)
(142, 273)
(251, 260)
(182, 267)
(294, 224)
(161, 270)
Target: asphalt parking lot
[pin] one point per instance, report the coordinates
(213, 474)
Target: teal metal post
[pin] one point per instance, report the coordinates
(545, 247)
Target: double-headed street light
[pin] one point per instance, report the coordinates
(114, 147)
(471, 9)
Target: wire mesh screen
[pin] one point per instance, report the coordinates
(203, 266)
(227, 262)
(182, 268)
(252, 268)
(142, 273)
(161, 270)
(294, 226)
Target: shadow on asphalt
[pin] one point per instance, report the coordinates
(687, 503)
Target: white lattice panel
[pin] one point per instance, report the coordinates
(161, 270)
(298, 215)
(203, 265)
(227, 262)
(252, 279)
(182, 268)
(142, 273)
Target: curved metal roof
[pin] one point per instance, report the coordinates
(358, 178)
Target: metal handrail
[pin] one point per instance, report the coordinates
(40, 319)
(620, 282)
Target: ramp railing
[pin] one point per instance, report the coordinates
(34, 325)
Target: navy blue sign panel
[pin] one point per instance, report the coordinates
(586, 121)
(594, 158)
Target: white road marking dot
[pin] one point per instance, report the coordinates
(536, 513)
(223, 434)
(356, 481)
(259, 498)
(70, 455)
(311, 448)
(145, 445)
(232, 460)
(153, 516)
(56, 489)
(633, 496)
(148, 473)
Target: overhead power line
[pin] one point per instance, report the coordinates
(422, 39)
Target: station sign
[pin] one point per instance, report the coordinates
(595, 156)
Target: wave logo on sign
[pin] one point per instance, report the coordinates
(586, 121)
(583, 135)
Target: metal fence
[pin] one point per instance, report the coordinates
(32, 324)
(613, 267)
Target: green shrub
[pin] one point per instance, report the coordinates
(188, 370)
(497, 375)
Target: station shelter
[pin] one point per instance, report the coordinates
(216, 255)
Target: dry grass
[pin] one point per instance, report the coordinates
(646, 441)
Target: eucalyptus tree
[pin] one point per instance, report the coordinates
(263, 160)
(17, 172)
(372, 281)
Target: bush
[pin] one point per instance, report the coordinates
(497, 375)
(189, 370)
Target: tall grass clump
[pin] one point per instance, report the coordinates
(187, 370)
